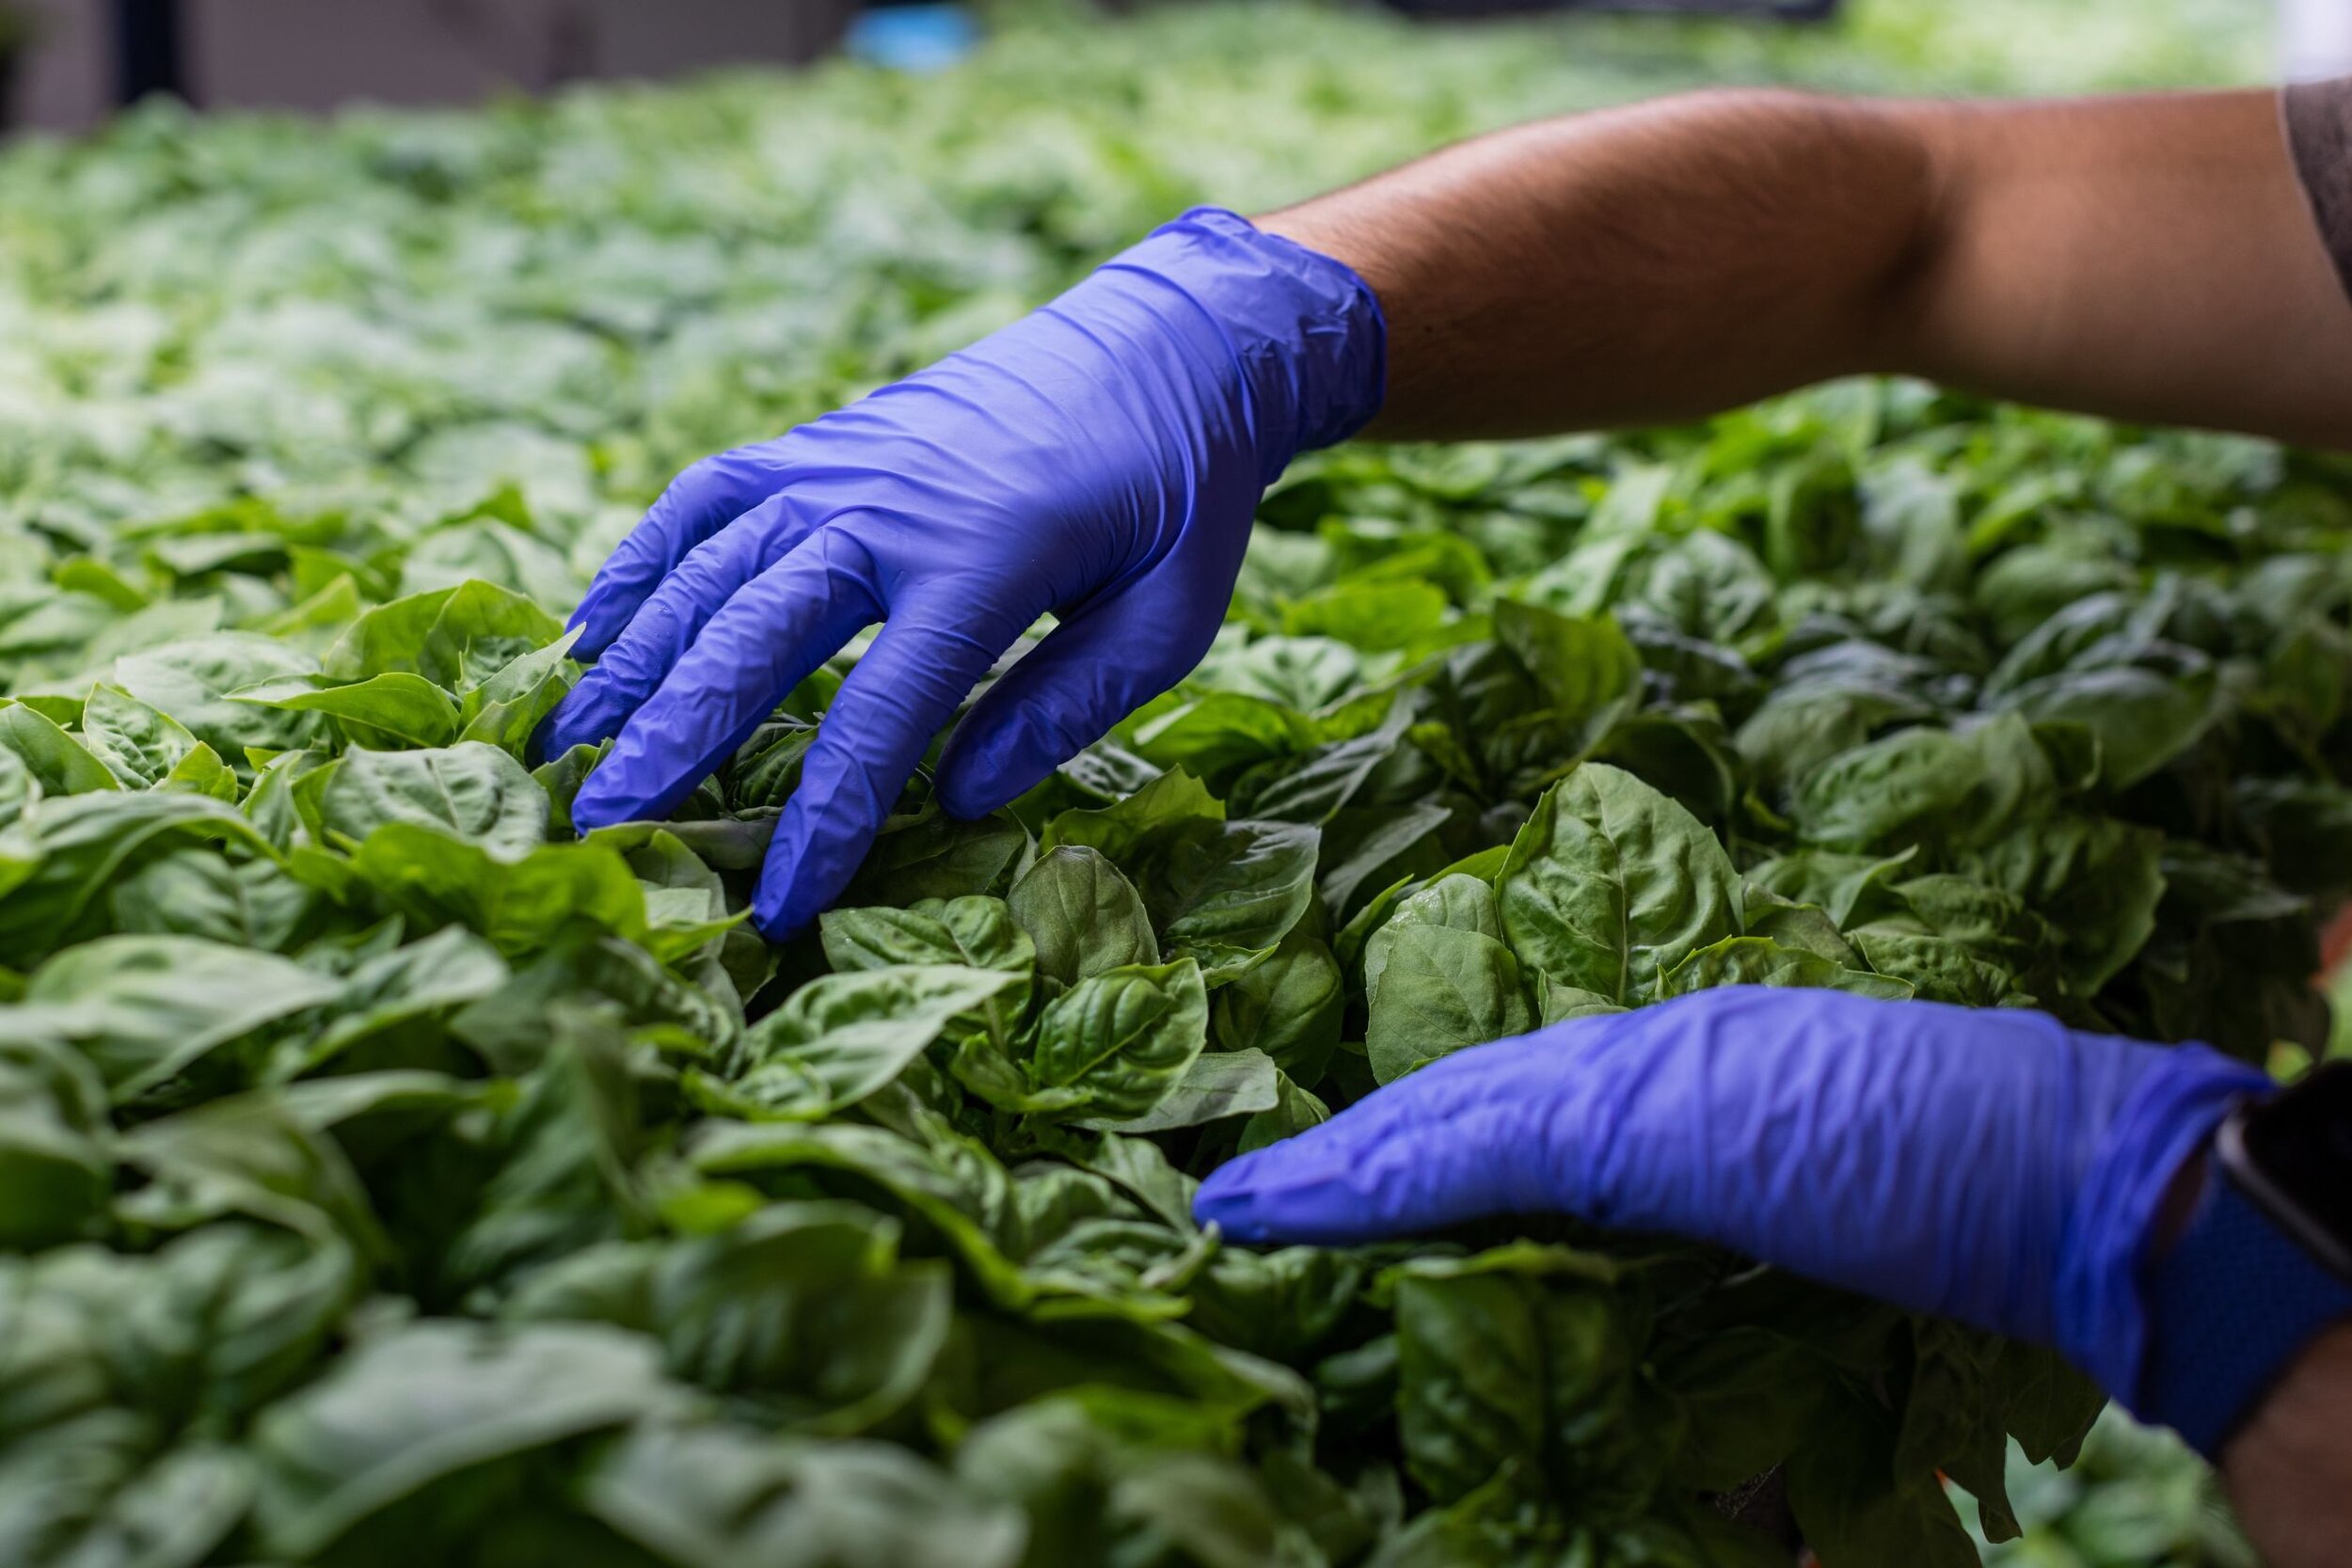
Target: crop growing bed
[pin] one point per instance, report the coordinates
(387, 1177)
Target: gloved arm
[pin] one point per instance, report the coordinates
(1988, 1165)
(1100, 459)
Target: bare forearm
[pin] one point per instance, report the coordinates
(1641, 264)
(2146, 258)
(2289, 1470)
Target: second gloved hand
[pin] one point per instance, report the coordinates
(1100, 459)
(1989, 1165)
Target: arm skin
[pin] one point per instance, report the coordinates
(2289, 1469)
(2145, 258)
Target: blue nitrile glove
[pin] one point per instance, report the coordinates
(1988, 1165)
(1099, 459)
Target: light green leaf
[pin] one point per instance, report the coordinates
(192, 682)
(715, 1496)
(65, 852)
(1295, 1110)
(506, 709)
(457, 637)
(477, 792)
(1611, 884)
(394, 706)
(59, 764)
(1586, 669)
(522, 905)
(202, 772)
(140, 746)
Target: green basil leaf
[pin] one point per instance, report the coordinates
(1123, 1039)
(1611, 884)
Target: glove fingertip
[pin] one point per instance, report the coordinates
(1296, 1191)
(1318, 1214)
(578, 719)
(774, 920)
(1234, 1222)
(1232, 1176)
(615, 791)
(593, 808)
(613, 597)
(791, 910)
(807, 868)
(969, 794)
(979, 773)
(598, 628)
(1226, 1202)
(788, 899)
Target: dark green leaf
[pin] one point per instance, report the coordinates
(1123, 1039)
(423, 1403)
(1082, 915)
(1611, 884)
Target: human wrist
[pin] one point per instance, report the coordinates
(1303, 331)
(2288, 1468)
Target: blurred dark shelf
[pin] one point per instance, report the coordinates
(148, 57)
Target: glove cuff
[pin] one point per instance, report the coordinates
(1306, 330)
(2100, 1313)
(2231, 1305)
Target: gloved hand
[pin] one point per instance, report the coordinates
(1100, 459)
(1988, 1165)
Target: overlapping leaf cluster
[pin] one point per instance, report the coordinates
(389, 1175)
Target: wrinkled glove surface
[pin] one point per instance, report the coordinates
(1100, 459)
(1989, 1165)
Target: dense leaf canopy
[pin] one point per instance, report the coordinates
(389, 1175)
